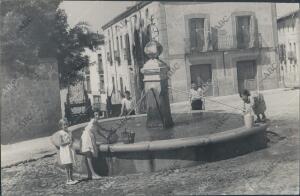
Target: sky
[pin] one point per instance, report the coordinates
(98, 13)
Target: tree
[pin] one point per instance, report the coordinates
(25, 26)
(37, 28)
(71, 43)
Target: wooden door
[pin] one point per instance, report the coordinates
(246, 75)
(202, 76)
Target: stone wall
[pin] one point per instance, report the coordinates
(30, 105)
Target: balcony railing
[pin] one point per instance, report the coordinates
(221, 42)
(109, 58)
(291, 55)
(117, 56)
(125, 53)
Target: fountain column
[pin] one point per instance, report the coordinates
(155, 74)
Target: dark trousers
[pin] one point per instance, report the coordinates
(131, 113)
(197, 104)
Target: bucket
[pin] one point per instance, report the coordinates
(128, 137)
(131, 137)
(248, 120)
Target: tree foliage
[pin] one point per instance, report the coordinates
(25, 26)
(71, 43)
(33, 29)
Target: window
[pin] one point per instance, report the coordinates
(96, 102)
(100, 64)
(110, 53)
(197, 39)
(127, 53)
(282, 53)
(295, 53)
(117, 53)
(88, 84)
(243, 31)
(113, 82)
(121, 85)
(290, 55)
(102, 82)
(147, 14)
(121, 42)
(96, 99)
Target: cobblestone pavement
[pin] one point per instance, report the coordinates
(274, 170)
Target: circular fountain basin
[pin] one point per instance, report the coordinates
(196, 138)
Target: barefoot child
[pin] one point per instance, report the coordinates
(196, 95)
(254, 105)
(259, 107)
(66, 153)
(89, 147)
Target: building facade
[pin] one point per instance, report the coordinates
(95, 78)
(289, 41)
(223, 47)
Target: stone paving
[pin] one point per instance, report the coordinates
(274, 170)
(13, 154)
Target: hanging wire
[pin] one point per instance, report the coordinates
(123, 121)
(185, 92)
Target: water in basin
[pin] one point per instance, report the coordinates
(185, 125)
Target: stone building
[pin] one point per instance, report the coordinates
(289, 41)
(95, 78)
(223, 47)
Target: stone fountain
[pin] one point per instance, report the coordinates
(156, 87)
(164, 143)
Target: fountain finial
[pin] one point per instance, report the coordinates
(153, 49)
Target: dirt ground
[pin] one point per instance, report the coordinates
(274, 170)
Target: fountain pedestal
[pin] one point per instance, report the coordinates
(156, 88)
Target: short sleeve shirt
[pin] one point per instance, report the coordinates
(127, 103)
(196, 94)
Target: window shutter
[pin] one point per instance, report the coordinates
(192, 34)
(252, 31)
(138, 20)
(200, 41)
(206, 36)
(214, 38)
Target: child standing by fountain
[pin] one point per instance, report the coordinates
(196, 95)
(127, 105)
(259, 107)
(89, 147)
(66, 153)
(254, 105)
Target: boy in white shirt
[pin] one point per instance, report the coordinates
(196, 95)
(127, 105)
